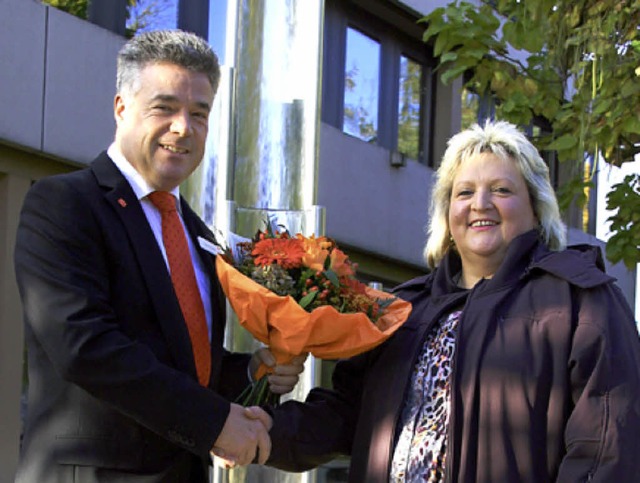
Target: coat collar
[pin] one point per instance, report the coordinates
(527, 255)
(581, 265)
(441, 281)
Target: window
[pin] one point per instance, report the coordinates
(409, 104)
(126, 17)
(377, 76)
(470, 102)
(361, 86)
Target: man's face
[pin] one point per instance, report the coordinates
(162, 127)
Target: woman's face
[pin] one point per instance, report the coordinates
(489, 207)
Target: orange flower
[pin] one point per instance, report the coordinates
(286, 252)
(340, 264)
(316, 251)
(353, 286)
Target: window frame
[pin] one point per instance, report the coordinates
(400, 36)
(192, 15)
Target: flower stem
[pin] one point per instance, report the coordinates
(258, 394)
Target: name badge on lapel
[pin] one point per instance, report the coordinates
(208, 246)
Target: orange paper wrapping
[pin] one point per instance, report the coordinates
(289, 330)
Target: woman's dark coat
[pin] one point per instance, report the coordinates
(546, 381)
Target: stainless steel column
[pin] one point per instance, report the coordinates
(262, 155)
(276, 113)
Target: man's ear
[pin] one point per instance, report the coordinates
(118, 108)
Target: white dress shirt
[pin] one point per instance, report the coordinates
(141, 188)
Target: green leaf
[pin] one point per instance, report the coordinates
(435, 22)
(384, 303)
(307, 299)
(455, 13)
(476, 53)
(613, 251)
(448, 56)
(441, 43)
(566, 141)
(632, 125)
(602, 106)
(453, 73)
(332, 277)
(629, 88)
(571, 191)
(485, 19)
(534, 41)
(510, 33)
(630, 256)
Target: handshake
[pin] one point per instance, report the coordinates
(245, 434)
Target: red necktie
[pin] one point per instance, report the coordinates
(184, 281)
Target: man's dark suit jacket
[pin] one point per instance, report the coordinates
(113, 389)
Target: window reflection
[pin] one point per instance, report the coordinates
(361, 86)
(409, 98)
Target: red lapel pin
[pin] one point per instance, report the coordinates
(122, 202)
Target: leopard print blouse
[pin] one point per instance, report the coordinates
(420, 453)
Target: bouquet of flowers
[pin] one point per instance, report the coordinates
(299, 294)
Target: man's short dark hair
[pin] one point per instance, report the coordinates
(165, 46)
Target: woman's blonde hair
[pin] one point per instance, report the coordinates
(507, 142)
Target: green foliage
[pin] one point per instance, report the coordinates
(74, 7)
(577, 73)
(573, 191)
(624, 245)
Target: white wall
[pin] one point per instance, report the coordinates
(370, 204)
(58, 81)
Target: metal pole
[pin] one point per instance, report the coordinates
(262, 153)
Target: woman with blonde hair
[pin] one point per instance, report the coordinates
(520, 361)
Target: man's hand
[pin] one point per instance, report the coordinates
(285, 376)
(242, 436)
(257, 413)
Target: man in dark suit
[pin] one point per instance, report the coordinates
(114, 391)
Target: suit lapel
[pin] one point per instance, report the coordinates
(143, 243)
